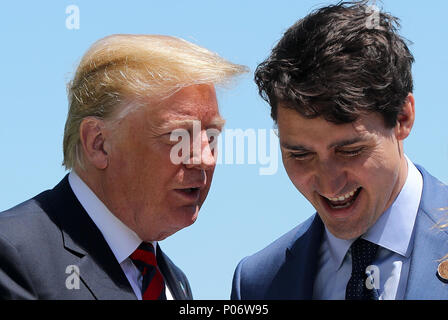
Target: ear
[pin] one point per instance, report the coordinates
(405, 119)
(91, 132)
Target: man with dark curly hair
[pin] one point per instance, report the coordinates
(339, 84)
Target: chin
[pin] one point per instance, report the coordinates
(345, 235)
(174, 221)
(190, 213)
(167, 233)
(184, 217)
(189, 219)
(346, 232)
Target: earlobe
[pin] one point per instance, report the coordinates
(93, 139)
(405, 119)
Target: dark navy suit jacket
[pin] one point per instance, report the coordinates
(286, 269)
(41, 238)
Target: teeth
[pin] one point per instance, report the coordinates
(343, 197)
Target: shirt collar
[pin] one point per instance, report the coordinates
(121, 239)
(393, 230)
(338, 247)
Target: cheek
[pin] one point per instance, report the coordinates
(380, 168)
(378, 178)
(128, 151)
(209, 177)
(148, 165)
(299, 176)
(153, 157)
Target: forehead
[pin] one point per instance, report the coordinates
(197, 102)
(294, 128)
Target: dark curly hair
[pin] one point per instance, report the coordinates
(333, 64)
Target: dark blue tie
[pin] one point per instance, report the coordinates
(363, 253)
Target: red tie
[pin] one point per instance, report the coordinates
(153, 286)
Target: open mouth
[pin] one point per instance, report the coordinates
(189, 193)
(343, 201)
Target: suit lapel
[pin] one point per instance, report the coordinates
(430, 244)
(178, 289)
(295, 279)
(99, 269)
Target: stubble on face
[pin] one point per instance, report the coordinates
(361, 163)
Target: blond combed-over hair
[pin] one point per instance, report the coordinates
(125, 67)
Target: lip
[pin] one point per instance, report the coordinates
(342, 213)
(189, 196)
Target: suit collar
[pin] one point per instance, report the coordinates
(99, 269)
(177, 288)
(429, 242)
(393, 229)
(120, 238)
(434, 195)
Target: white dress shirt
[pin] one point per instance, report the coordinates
(121, 240)
(392, 233)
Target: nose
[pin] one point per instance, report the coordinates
(330, 178)
(202, 153)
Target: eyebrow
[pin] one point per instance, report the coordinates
(346, 142)
(294, 148)
(339, 144)
(215, 122)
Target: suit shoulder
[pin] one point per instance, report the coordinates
(27, 220)
(28, 209)
(434, 199)
(254, 274)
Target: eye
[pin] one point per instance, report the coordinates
(175, 136)
(351, 153)
(301, 156)
(212, 134)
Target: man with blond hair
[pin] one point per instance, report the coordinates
(94, 236)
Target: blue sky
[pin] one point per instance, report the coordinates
(245, 211)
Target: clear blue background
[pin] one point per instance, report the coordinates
(244, 211)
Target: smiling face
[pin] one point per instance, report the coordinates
(141, 185)
(351, 173)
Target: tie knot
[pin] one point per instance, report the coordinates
(363, 252)
(146, 246)
(144, 255)
(152, 283)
